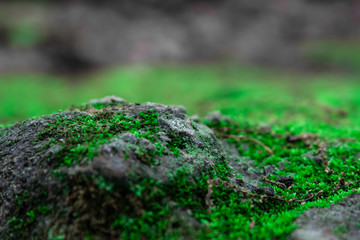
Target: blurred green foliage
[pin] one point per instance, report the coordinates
(311, 102)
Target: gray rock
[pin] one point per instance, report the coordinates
(23, 164)
(265, 128)
(179, 108)
(216, 118)
(339, 221)
(195, 118)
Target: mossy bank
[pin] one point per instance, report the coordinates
(116, 170)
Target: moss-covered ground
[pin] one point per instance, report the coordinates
(325, 168)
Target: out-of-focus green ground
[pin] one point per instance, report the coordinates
(307, 102)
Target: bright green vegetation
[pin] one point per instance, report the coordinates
(247, 94)
(273, 219)
(320, 104)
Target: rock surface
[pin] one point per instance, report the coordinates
(339, 221)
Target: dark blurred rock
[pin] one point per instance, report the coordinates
(287, 180)
(267, 190)
(216, 118)
(107, 100)
(313, 157)
(265, 128)
(83, 35)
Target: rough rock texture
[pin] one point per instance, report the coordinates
(23, 164)
(54, 183)
(339, 221)
(111, 161)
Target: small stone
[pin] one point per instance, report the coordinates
(179, 108)
(288, 180)
(216, 118)
(265, 128)
(107, 100)
(195, 118)
(267, 190)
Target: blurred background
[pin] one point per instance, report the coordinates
(268, 61)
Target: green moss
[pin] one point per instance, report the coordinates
(81, 137)
(30, 209)
(3, 129)
(176, 143)
(340, 230)
(231, 217)
(154, 220)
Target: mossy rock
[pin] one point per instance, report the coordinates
(117, 170)
(89, 171)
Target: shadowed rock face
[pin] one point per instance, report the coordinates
(85, 163)
(23, 163)
(339, 221)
